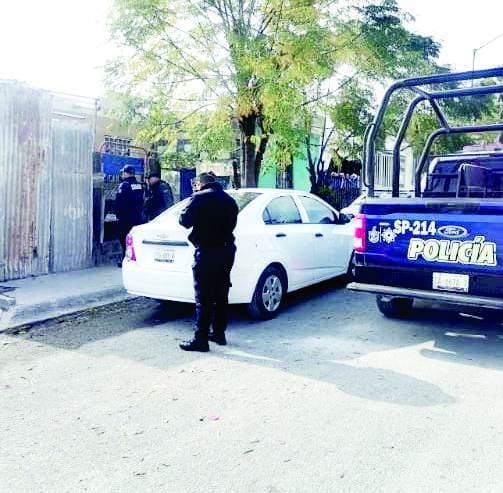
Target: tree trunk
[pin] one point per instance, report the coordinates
(260, 156)
(311, 167)
(247, 125)
(236, 179)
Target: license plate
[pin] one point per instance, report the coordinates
(451, 282)
(164, 255)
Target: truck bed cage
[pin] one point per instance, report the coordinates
(416, 85)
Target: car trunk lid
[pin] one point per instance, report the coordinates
(163, 245)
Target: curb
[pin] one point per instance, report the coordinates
(6, 301)
(14, 315)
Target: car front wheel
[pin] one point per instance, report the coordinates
(269, 294)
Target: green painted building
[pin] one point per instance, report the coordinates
(296, 176)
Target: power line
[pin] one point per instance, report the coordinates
(489, 42)
(476, 50)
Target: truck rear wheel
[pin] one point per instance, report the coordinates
(394, 307)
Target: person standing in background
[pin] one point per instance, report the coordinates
(158, 197)
(128, 205)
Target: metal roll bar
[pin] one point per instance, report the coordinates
(494, 127)
(414, 85)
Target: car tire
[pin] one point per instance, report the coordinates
(394, 307)
(350, 274)
(269, 294)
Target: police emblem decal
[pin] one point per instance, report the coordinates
(374, 235)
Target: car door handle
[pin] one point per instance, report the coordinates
(280, 235)
(319, 235)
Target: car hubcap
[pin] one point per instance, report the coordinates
(272, 293)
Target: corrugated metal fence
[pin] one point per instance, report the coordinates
(45, 185)
(71, 219)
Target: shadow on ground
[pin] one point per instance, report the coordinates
(321, 334)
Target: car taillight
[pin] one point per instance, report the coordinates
(360, 238)
(130, 253)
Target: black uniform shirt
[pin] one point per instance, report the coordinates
(129, 202)
(212, 215)
(159, 197)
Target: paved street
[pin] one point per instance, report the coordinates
(328, 397)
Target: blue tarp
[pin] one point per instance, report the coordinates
(186, 176)
(113, 164)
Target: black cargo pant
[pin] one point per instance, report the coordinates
(212, 268)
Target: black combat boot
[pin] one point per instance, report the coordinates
(195, 344)
(218, 338)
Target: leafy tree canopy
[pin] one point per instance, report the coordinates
(267, 67)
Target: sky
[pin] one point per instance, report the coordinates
(63, 45)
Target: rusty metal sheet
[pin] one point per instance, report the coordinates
(46, 144)
(26, 181)
(71, 162)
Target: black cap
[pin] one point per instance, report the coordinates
(128, 169)
(207, 178)
(154, 175)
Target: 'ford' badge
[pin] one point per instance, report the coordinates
(452, 231)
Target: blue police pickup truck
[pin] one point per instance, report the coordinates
(443, 241)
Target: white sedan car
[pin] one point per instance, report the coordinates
(286, 240)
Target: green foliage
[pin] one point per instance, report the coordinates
(200, 68)
(384, 47)
(211, 133)
(174, 160)
(459, 112)
(378, 47)
(351, 112)
(152, 119)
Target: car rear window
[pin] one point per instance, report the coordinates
(466, 177)
(243, 198)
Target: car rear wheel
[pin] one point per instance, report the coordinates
(394, 307)
(269, 294)
(350, 273)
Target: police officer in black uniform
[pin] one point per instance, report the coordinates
(212, 215)
(158, 197)
(128, 204)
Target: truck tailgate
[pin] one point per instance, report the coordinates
(434, 244)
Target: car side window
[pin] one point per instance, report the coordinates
(317, 213)
(282, 210)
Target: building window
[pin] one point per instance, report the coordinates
(183, 145)
(117, 146)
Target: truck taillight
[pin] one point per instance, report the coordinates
(360, 238)
(130, 253)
